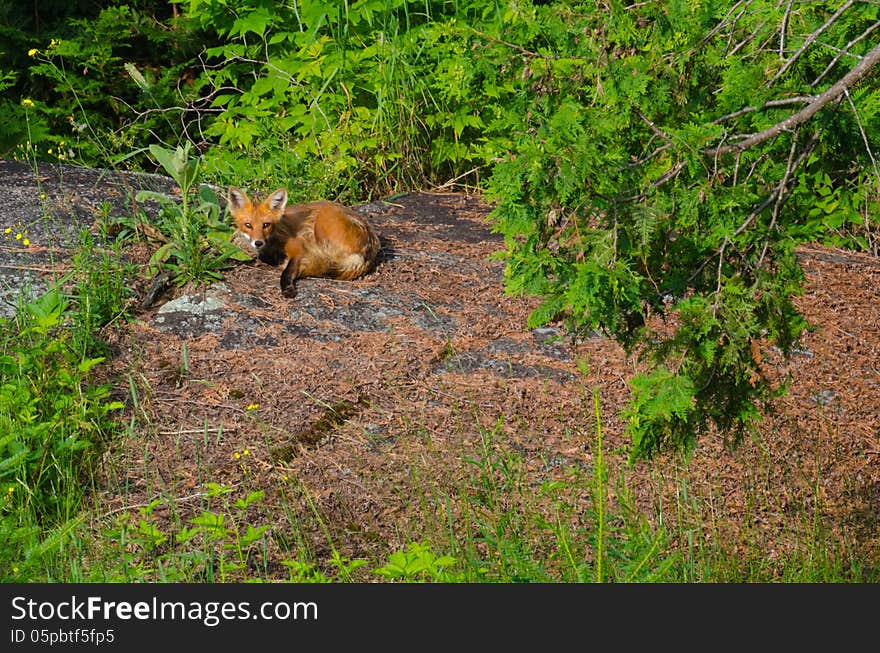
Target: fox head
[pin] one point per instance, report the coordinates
(256, 221)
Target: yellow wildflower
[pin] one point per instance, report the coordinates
(8, 230)
(27, 102)
(236, 455)
(26, 242)
(246, 452)
(32, 52)
(18, 236)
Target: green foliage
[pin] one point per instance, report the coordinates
(417, 563)
(56, 416)
(86, 106)
(101, 291)
(219, 544)
(500, 547)
(341, 570)
(618, 208)
(625, 546)
(197, 241)
(358, 99)
(513, 532)
(53, 422)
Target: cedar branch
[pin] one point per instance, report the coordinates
(832, 93)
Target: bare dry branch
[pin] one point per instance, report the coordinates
(810, 39)
(865, 140)
(832, 93)
(800, 99)
(844, 51)
(723, 22)
(659, 181)
(783, 29)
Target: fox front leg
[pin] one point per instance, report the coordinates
(288, 278)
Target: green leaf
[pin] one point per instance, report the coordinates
(255, 21)
(148, 195)
(88, 363)
(252, 534)
(210, 521)
(253, 497)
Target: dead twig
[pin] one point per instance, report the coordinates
(135, 506)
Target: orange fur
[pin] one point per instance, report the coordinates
(318, 239)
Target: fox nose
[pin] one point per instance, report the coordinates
(258, 244)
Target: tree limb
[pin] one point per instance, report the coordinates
(801, 99)
(832, 93)
(809, 40)
(784, 29)
(845, 51)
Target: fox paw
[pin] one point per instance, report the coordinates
(289, 291)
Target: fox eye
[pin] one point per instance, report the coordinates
(266, 225)
(248, 225)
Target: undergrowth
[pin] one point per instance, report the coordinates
(55, 417)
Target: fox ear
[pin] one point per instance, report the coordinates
(277, 200)
(237, 200)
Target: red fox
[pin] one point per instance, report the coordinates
(318, 239)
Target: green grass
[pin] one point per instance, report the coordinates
(54, 424)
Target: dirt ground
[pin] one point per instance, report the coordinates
(358, 407)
